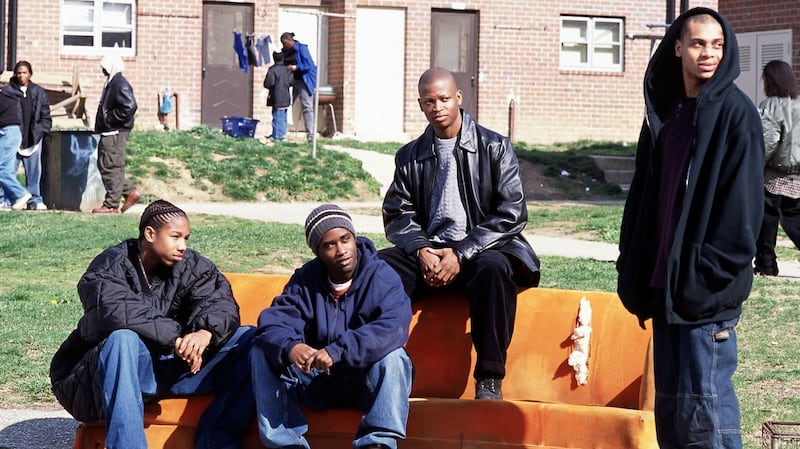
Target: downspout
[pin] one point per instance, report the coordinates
(2, 36)
(11, 54)
(670, 12)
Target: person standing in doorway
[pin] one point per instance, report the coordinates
(36, 124)
(114, 121)
(689, 227)
(277, 82)
(298, 59)
(780, 118)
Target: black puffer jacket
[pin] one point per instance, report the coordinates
(117, 106)
(492, 191)
(194, 295)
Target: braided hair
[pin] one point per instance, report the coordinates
(157, 214)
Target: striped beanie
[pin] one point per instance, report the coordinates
(323, 219)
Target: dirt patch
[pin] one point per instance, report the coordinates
(566, 187)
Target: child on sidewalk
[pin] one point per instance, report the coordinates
(277, 82)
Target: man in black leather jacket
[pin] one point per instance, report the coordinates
(114, 121)
(456, 210)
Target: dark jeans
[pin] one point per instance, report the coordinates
(777, 209)
(696, 404)
(111, 165)
(487, 280)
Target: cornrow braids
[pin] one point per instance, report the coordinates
(157, 214)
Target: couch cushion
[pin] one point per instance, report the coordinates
(536, 369)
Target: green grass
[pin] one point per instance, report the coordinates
(246, 169)
(42, 256)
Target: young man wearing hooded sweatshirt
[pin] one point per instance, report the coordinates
(114, 122)
(334, 339)
(689, 227)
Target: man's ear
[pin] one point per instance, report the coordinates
(150, 234)
(678, 48)
(458, 96)
(419, 102)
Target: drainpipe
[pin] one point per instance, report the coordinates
(512, 112)
(670, 12)
(2, 36)
(11, 54)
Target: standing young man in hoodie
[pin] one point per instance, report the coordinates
(114, 121)
(334, 339)
(690, 225)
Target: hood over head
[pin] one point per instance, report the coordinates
(112, 64)
(663, 80)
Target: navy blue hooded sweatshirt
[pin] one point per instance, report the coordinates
(709, 267)
(364, 325)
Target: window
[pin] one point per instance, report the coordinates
(591, 43)
(94, 26)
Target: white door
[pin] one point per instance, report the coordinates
(380, 63)
(303, 23)
(755, 51)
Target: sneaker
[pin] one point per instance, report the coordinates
(39, 206)
(489, 389)
(22, 202)
(5, 207)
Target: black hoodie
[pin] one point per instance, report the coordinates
(709, 268)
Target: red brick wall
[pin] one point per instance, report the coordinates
(764, 15)
(518, 58)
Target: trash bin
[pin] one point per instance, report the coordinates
(66, 161)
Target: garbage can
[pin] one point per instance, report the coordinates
(66, 162)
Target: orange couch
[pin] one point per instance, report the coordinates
(544, 406)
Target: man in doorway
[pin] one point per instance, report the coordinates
(298, 59)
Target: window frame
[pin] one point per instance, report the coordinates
(591, 43)
(98, 28)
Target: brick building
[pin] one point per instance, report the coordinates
(573, 69)
(766, 30)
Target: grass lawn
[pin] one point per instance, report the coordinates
(42, 256)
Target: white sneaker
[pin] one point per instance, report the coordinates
(5, 207)
(40, 206)
(22, 202)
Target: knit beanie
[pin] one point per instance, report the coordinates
(323, 219)
(157, 213)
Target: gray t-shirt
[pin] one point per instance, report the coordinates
(448, 217)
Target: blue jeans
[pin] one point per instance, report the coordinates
(380, 391)
(279, 123)
(696, 405)
(128, 374)
(33, 173)
(10, 140)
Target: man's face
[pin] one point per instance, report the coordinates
(23, 75)
(337, 251)
(440, 101)
(169, 242)
(700, 49)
